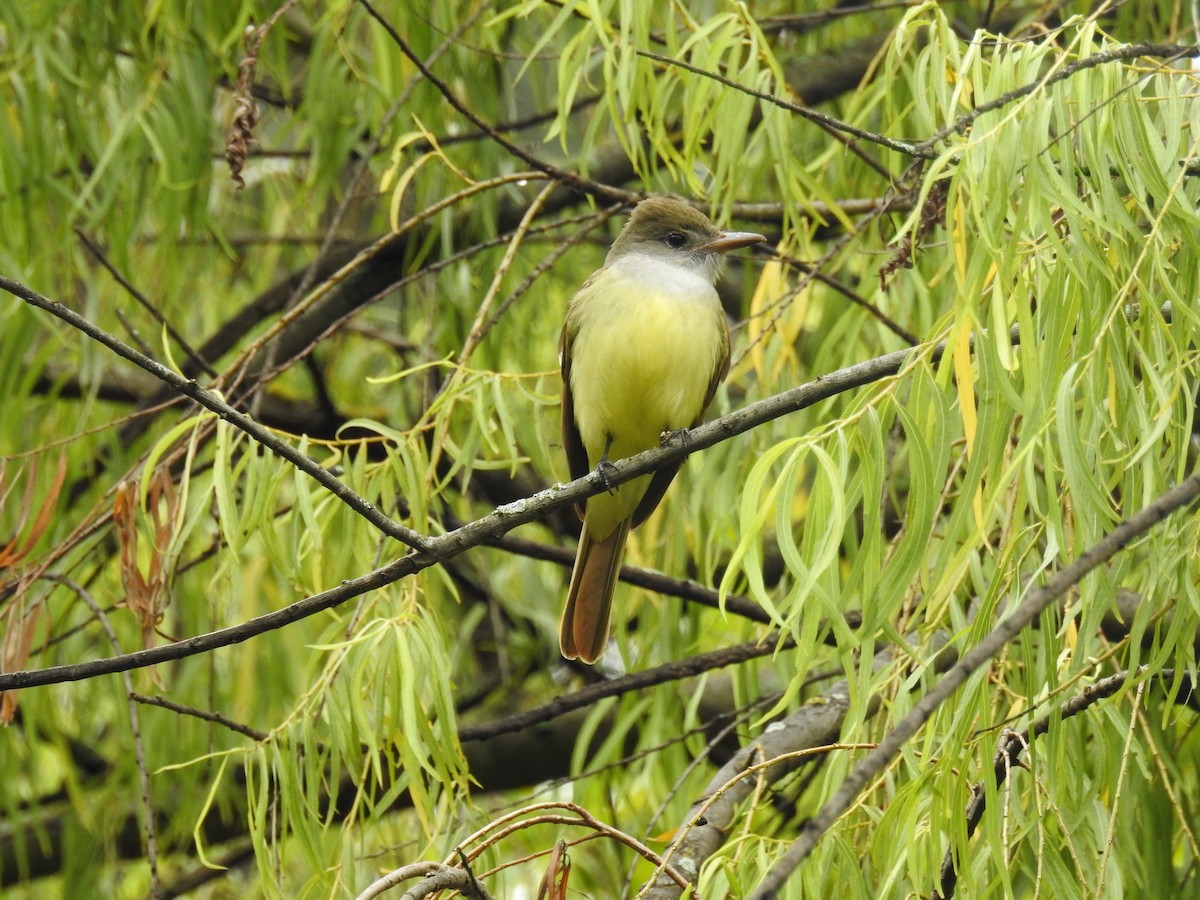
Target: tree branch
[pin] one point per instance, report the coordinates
(440, 548)
(1028, 610)
(213, 402)
(615, 687)
(1129, 51)
(446, 546)
(791, 740)
(1013, 743)
(563, 176)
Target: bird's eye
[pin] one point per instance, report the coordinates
(675, 240)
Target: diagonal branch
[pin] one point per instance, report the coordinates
(823, 119)
(1128, 51)
(1013, 743)
(1029, 609)
(189, 388)
(615, 687)
(784, 747)
(563, 176)
(438, 549)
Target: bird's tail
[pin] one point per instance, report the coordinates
(584, 629)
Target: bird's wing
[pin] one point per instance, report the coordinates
(577, 459)
(720, 370)
(659, 483)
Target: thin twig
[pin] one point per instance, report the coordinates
(854, 297)
(499, 829)
(682, 588)
(135, 728)
(1129, 51)
(476, 332)
(615, 687)
(197, 360)
(362, 169)
(812, 115)
(549, 260)
(204, 714)
(571, 179)
(211, 401)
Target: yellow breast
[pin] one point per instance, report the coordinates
(645, 348)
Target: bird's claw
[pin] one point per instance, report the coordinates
(665, 439)
(602, 469)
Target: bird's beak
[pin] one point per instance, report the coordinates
(731, 240)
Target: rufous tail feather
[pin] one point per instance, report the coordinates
(584, 629)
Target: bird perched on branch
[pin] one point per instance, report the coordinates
(644, 346)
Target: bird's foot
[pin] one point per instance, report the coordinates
(602, 470)
(665, 438)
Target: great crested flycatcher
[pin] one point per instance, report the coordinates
(643, 349)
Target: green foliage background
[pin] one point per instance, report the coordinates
(417, 359)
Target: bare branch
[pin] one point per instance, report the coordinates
(446, 546)
(135, 728)
(217, 718)
(434, 877)
(216, 404)
(570, 179)
(615, 687)
(1129, 51)
(781, 749)
(799, 109)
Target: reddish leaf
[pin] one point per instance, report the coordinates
(558, 871)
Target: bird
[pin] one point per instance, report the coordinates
(643, 348)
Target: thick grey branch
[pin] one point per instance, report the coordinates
(447, 546)
(712, 816)
(434, 877)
